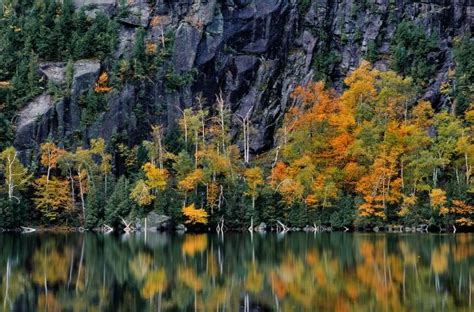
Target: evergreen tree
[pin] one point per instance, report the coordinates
(410, 46)
(119, 204)
(94, 207)
(139, 56)
(464, 75)
(12, 213)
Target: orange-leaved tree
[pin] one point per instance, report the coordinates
(102, 84)
(50, 155)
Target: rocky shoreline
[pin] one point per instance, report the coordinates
(162, 224)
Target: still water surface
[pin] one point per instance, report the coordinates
(237, 272)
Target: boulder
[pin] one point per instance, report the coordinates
(181, 228)
(44, 117)
(138, 225)
(137, 15)
(93, 7)
(29, 121)
(262, 227)
(308, 228)
(126, 42)
(86, 73)
(157, 222)
(106, 6)
(34, 110)
(422, 228)
(92, 13)
(53, 71)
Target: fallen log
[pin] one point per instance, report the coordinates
(107, 229)
(284, 227)
(25, 230)
(220, 226)
(128, 228)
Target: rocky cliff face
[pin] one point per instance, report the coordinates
(252, 52)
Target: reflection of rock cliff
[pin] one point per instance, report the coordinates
(253, 51)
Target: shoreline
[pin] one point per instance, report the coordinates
(70, 229)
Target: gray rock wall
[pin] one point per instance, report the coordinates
(253, 51)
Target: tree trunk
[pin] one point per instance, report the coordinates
(10, 177)
(285, 229)
(402, 174)
(105, 185)
(185, 130)
(244, 124)
(221, 111)
(196, 149)
(81, 191)
(47, 176)
(73, 194)
(162, 36)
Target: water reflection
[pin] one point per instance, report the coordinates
(295, 272)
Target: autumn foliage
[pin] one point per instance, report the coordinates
(102, 84)
(372, 141)
(194, 216)
(369, 154)
(52, 197)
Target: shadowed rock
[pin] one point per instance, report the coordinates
(54, 71)
(254, 52)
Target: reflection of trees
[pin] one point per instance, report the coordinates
(155, 283)
(140, 265)
(194, 243)
(297, 272)
(51, 265)
(13, 284)
(48, 302)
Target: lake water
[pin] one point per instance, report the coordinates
(237, 272)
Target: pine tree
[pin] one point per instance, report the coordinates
(119, 204)
(12, 213)
(94, 208)
(139, 53)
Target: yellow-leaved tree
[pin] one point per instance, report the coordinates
(141, 193)
(16, 175)
(438, 201)
(52, 197)
(156, 177)
(145, 191)
(254, 180)
(191, 181)
(194, 216)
